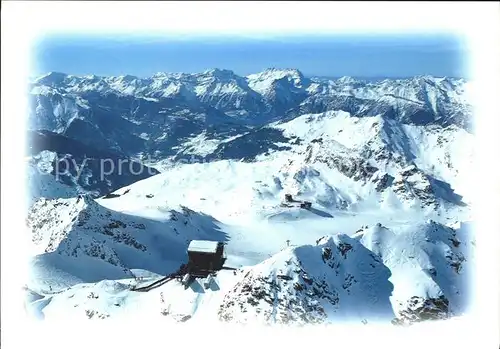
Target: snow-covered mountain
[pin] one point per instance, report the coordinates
(382, 164)
(154, 115)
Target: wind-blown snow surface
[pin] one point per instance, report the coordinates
(382, 164)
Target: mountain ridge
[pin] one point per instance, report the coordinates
(320, 76)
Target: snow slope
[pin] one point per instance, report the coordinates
(430, 264)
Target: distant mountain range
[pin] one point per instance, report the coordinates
(229, 116)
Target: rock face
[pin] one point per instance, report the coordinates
(335, 156)
(332, 281)
(420, 309)
(382, 180)
(411, 184)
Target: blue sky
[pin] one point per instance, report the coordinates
(359, 56)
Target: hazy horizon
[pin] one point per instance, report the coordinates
(362, 57)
